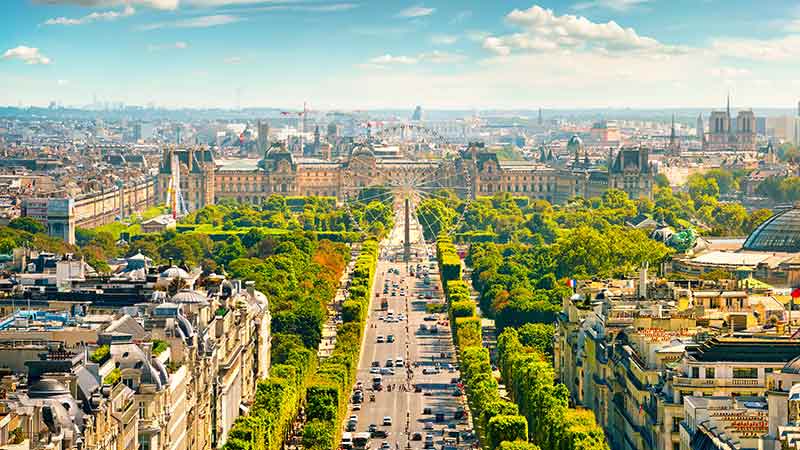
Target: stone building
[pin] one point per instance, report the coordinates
(205, 181)
(728, 133)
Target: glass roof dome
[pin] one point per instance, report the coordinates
(779, 233)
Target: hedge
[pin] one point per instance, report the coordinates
(449, 261)
(494, 419)
(506, 428)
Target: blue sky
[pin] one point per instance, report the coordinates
(361, 54)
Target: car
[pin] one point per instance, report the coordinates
(451, 368)
(387, 421)
(376, 363)
(398, 362)
(389, 363)
(401, 317)
(427, 411)
(372, 428)
(455, 380)
(429, 440)
(416, 436)
(356, 406)
(387, 371)
(428, 426)
(389, 338)
(385, 446)
(394, 294)
(430, 318)
(380, 340)
(375, 370)
(430, 371)
(380, 434)
(353, 418)
(351, 426)
(456, 392)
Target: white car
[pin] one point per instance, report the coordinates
(387, 421)
(380, 340)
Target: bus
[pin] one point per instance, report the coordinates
(360, 441)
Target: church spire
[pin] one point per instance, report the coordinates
(729, 104)
(672, 131)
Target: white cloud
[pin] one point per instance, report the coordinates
(292, 7)
(389, 59)
(416, 11)
(477, 35)
(179, 45)
(438, 57)
(783, 49)
(29, 55)
(93, 17)
(544, 31)
(62, 82)
(444, 39)
(434, 57)
(793, 26)
(195, 22)
(233, 60)
(616, 5)
(156, 4)
(729, 72)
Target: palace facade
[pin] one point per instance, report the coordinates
(204, 180)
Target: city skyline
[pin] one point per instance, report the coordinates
(390, 54)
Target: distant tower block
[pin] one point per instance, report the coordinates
(417, 116)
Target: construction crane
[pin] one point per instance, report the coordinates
(302, 117)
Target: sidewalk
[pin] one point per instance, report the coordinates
(334, 308)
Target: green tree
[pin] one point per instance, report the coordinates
(319, 435)
(26, 224)
(506, 428)
(538, 336)
(756, 218)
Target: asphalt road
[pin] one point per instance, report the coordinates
(405, 407)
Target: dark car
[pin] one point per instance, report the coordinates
(380, 434)
(416, 437)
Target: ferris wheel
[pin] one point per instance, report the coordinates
(375, 185)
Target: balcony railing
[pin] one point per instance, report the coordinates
(717, 382)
